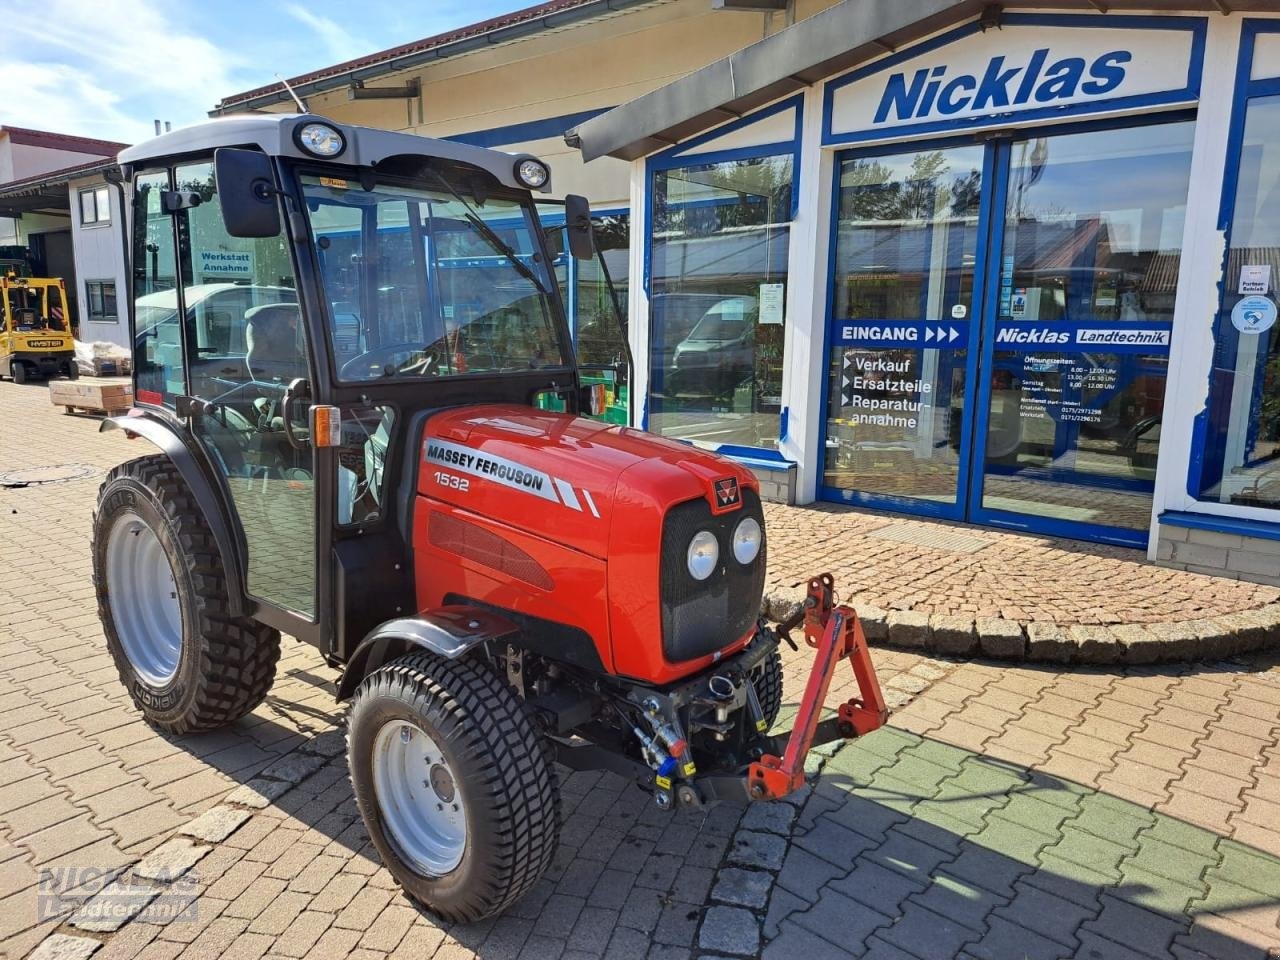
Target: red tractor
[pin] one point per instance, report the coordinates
(351, 348)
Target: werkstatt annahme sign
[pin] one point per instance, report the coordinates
(1035, 66)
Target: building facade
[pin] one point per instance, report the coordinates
(55, 202)
(1014, 267)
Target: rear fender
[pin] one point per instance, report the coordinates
(207, 496)
(449, 632)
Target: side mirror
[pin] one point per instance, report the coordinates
(577, 224)
(246, 192)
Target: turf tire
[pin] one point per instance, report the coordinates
(227, 664)
(511, 797)
(767, 677)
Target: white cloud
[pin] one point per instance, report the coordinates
(340, 44)
(89, 65)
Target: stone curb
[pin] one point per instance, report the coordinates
(1211, 638)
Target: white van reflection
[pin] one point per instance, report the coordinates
(719, 352)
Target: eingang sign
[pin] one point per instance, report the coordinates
(1032, 67)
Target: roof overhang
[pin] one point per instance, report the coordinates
(508, 28)
(828, 43)
(47, 193)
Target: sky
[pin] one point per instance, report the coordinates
(109, 68)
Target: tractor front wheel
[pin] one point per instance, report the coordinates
(767, 677)
(162, 597)
(453, 783)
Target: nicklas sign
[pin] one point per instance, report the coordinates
(1034, 66)
(1040, 80)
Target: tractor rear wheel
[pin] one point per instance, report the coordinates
(18, 370)
(453, 783)
(162, 597)
(767, 677)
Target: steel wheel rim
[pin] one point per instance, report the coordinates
(419, 799)
(144, 600)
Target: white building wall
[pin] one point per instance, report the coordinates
(1196, 307)
(99, 256)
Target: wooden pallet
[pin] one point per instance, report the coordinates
(107, 397)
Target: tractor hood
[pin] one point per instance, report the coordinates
(564, 477)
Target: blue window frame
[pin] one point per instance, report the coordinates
(717, 239)
(1235, 455)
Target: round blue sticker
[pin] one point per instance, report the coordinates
(1254, 315)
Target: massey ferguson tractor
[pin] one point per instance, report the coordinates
(352, 351)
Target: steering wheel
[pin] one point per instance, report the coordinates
(377, 357)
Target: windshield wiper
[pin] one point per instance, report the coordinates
(492, 238)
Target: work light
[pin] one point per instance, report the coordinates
(746, 540)
(704, 554)
(320, 140)
(532, 173)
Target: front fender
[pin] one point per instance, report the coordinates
(206, 494)
(448, 632)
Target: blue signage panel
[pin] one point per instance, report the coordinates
(1084, 336)
(914, 334)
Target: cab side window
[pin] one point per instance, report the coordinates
(157, 346)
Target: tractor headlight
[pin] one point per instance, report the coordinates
(746, 540)
(320, 140)
(703, 555)
(532, 173)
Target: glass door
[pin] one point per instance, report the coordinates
(905, 291)
(1076, 340)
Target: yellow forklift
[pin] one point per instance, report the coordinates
(35, 331)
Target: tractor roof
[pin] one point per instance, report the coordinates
(274, 135)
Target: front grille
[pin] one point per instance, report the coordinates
(702, 616)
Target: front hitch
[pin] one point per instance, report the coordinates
(837, 634)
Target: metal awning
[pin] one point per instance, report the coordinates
(807, 52)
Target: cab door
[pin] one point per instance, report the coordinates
(220, 341)
(594, 296)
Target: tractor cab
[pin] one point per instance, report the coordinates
(287, 268)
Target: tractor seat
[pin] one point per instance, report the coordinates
(271, 339)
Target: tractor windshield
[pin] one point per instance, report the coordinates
(432, 280)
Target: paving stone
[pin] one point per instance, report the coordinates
(769, 817)
(1047, 642)
(795, 941)
(999, 638)
(906, 628)
(730, 930)
(744, 888)
(832, 842)
(258, 792)
(1141, 931)
(170, 860)
(113, 906)
(216, 824)
(60, 946)
(840, 918)
(878, 887)
(922, 932)
(953, 635)
(1004, 940)
(754, 849)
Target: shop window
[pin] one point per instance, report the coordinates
(716, 302)
(101, 298)
(1241, 445)
(95, 205)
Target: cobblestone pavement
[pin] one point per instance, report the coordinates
(932, 567)
(1007, 812)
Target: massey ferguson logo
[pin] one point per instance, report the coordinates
(727, 492)
(930, 91)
